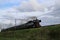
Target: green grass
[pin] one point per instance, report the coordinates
(43, 33)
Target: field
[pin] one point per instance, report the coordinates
(44, 33)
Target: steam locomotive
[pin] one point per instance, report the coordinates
(29, 24)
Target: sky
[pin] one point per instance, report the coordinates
(46, 10)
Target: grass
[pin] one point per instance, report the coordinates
(43, 33)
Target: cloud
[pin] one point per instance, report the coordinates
(47, 11)
(28, 6)
(49, 20)
(52, 17)
(34, 5)
(56, 11)
(16, 14)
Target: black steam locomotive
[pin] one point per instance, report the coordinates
(29, 24)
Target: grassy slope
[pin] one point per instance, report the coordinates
(43, 33)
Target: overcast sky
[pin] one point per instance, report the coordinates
(46, 10)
